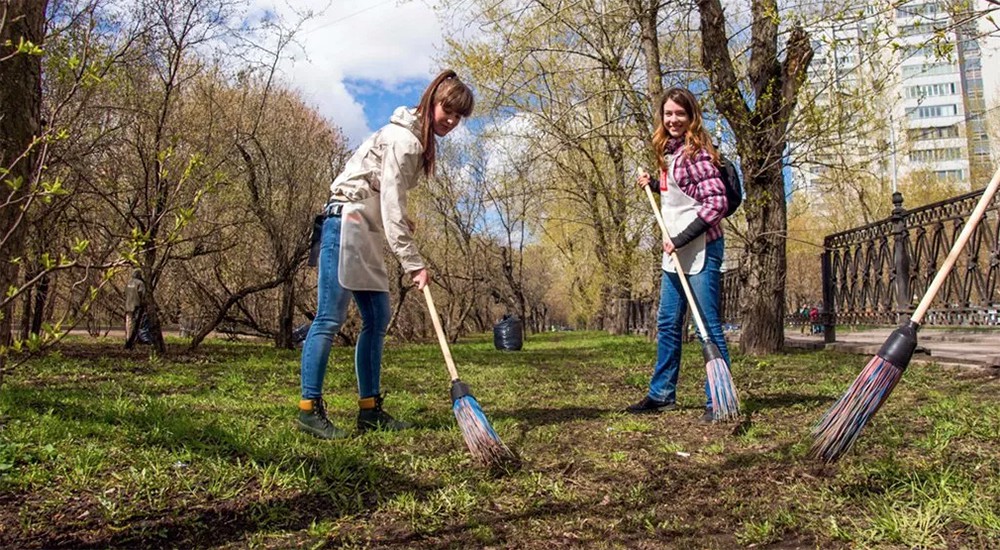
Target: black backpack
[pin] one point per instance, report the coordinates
(734, 187)
(730, 177)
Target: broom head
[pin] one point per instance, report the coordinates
(725, 400)
(842, 424)
(482, 440)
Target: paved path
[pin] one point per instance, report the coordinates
(979, 348)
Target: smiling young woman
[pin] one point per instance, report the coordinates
(693, 204)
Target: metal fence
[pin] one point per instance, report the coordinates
(877, 273)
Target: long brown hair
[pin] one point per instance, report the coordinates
(454, 96)
(695, 139)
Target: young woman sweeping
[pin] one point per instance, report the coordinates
(693, 204)
(367, 207)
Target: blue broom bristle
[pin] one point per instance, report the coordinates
(725, 400)
(482, 440)
(836, 432)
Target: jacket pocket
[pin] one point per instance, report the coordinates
(361, 265)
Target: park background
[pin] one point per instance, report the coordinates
(195, 139)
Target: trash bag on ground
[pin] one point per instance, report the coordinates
(508, 334)
(145, 336)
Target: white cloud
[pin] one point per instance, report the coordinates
(389, 42)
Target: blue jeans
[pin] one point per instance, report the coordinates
(707, 289)
(330, 315)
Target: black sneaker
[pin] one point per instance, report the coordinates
(648, 405)
(372, 417)
(708, 417)
(315, 422)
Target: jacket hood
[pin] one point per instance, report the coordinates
(407, 118)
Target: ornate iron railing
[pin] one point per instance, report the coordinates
(876, 274)
(731, 286)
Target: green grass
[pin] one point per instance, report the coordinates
(102, 448)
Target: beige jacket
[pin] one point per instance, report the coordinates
(374, 183)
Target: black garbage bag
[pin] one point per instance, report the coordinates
(145, 335)
(508, 334)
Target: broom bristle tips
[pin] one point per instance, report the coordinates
(836, 432)
(725, 399)
(482, 440)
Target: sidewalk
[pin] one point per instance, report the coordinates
(978, 348)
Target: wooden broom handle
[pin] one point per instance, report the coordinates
(956, 249)
(677, 265)
(442, 340)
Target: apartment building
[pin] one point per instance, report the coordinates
(930, 66)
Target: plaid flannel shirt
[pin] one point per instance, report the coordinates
(699, 179)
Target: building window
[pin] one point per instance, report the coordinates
(914, 10)
(925, 28)
(950, 175)
(931, 111)
(928, 69)
(936, 155)
(931, 90)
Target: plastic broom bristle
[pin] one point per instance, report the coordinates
(842, 424)
(482, 440)
(725, 400)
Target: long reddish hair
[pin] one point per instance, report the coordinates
(454, 96)
(695, 139)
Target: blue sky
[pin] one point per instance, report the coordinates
(359, 59)
(379, 101)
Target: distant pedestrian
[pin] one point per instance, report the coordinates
(134, 310)
(814, 319)
(804, 317)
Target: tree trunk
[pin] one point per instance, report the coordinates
(760, 135)
(41, 301)
(404, 289)
(283, 339)
(220, 315)
(763, 273)
(20, 123)
(26, 312)
(153, 320)
(648, 12)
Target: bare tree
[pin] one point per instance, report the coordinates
(760, 121)
(22, 27)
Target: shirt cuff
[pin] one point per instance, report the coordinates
(691, 232)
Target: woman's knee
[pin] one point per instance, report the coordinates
(375, 314)
(327, 324)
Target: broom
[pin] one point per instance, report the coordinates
(482, 440)
(725, 401)
(840, 426)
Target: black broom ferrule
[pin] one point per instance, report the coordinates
(899, 346)
(459, 390)
(710, 351)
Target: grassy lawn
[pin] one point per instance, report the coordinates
(102, 448)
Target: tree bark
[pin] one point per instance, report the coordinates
(20, 123)
(760, 135)
(647, 13)
(283, 339)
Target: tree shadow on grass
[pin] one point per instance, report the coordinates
(223, 522)
(756, 403)
(533, 417)
(340, 482)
